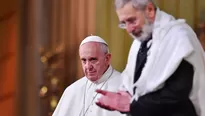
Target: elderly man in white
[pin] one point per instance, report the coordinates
(165, 72)
(79, 98)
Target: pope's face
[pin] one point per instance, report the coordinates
(94, 61)
(136, 22)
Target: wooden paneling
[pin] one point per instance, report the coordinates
(8, 37)
(7, 6)
(81, 23)
(7, 106)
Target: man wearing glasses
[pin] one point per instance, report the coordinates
(165, 72)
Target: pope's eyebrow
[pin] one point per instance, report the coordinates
(92, 58)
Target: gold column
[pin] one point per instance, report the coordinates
(201, 22)
(168, 6)
(196, 14)
(107, 27)
(178, 8)
(119, 41)
(187, 11)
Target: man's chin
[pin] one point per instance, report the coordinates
(138, 34)
(135, 36)
(138, 37)
(141, 36)
(92, 77)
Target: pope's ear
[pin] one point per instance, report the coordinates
(108, 57)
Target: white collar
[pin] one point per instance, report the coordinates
(162, 19)
(162, 23)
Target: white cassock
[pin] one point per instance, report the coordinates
(172, 41)
(79, 98)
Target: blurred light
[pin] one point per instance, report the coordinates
(54, 81)
(43, 91)
(53, 66)
(53, 102)
(49, 54)
(43, 59)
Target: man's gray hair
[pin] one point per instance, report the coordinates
(104, 48)
(138, 4)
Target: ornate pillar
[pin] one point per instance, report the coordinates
(48, 60)
(28, 63)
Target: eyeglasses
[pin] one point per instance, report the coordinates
(130, 21)
(122, 25)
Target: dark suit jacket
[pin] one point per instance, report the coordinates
(172, 99)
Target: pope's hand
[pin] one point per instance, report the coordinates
(119, 101)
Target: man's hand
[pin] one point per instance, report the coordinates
(119, 101)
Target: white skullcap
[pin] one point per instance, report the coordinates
(93, 38)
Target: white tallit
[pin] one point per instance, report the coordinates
(172, 41)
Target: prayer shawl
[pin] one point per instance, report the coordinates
(172, 41)
(78, 97)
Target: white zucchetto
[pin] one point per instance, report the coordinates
(93, 38)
